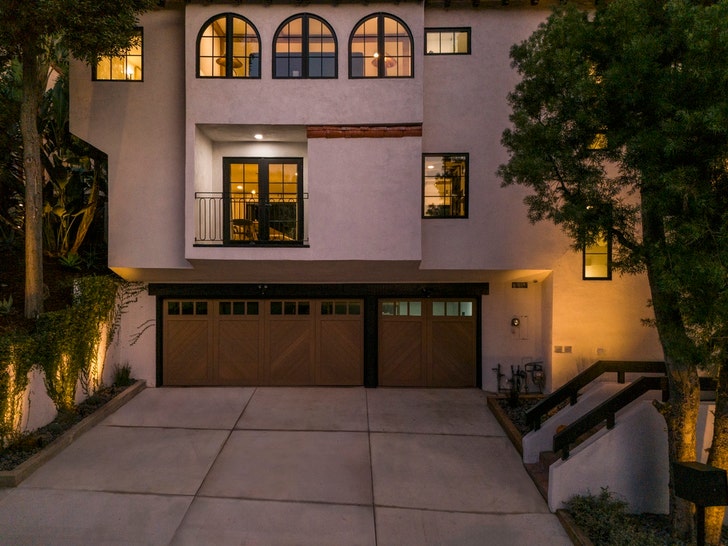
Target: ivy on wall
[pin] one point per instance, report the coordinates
(72, 343)
(69, 346)
(15, 363)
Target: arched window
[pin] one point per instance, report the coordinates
(381, 47)
(304, 47)
(228, 46)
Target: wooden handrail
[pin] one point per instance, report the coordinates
(570, 390)
(606, 411)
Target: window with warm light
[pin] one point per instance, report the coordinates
(598, 260)
(447, 41)
(263, 200)
(304, 47)
(228, 46)
(124, 67)
(445, 186)
(381, 47)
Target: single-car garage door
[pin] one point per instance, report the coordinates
(427, 343)
(263, 342)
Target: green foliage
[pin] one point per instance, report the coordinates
(6, 305)
(646, 79)
(97, 298)
(88, 29)
(76, 174)
(605, 520)
(72, 343)
(60, 353)
(637, 73)
(15, 363)
(34, 32)
(11, 166)
(71, 261)
(122, 375)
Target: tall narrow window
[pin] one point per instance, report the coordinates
(598, 260)
(228, 46)
(305, 47)
(263, 200)
(445, 186)
(381, 47)
(447, 41)
(125, 67)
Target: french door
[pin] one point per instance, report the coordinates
(263, 200)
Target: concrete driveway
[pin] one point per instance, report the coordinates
(279, 466)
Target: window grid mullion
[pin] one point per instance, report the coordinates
(304, 47)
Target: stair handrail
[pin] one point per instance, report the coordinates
(606, 412)
(570, 390)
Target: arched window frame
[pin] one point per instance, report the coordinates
(380, 60)
(305, 42)
(251, 72)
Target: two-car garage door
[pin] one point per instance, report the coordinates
(317, 342)
(267, 342)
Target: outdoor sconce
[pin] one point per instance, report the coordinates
(515, 322)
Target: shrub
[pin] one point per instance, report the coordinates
(15, 363)
(122, 375)
(605, 520)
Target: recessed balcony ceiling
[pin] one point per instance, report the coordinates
(247, 133)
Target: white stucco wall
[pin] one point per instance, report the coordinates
(631, 459)
(599, 320)
(303, 101)
(466, 110)
(140, 125)
(507, 345)
(37, 408)
(135, 342)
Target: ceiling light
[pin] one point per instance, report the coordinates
(258, 136)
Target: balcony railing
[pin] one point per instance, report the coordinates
(237, 218)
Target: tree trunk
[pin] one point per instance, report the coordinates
(681, 410)
(32, 95)
(718, 453)
(681, 415)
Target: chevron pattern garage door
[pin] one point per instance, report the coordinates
(427, 343)
(267, 342)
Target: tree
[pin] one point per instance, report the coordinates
(11, 173)
(75, 175)
(620, 129)
(30, 32)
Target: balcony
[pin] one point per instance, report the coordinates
(236, 219)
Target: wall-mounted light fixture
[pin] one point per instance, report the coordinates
(515, 322)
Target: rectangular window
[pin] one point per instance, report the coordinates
(186, 308)
(598, 260)
(445, 186)
(447, 41)
(125, 67)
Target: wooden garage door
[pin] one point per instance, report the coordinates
(266, 342)
(427, 343)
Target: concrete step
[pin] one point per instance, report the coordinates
(539, 472)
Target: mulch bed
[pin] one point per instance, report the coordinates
(33, 442)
